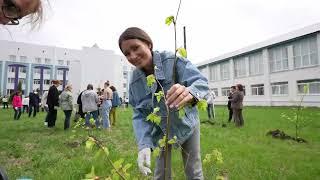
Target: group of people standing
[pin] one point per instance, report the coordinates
(235, 104)
(29, 104)
(98, 105)
(101, 104)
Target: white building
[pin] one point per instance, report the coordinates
(273, 72)
(36, 65)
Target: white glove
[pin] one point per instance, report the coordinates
(16, 108)
(144, 161)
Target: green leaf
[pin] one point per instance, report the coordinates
(89, 144)
(219, 178)
(151, 80)
(156, 152)
(118, 164)
(91, 120)
(173, 140)
(126, 167)
(162, 142)
(182, 113)
(155, 110)
(91, 175)
(202, 105)
(159, 95)
(169, 20)
(154, 118)
(182, 52)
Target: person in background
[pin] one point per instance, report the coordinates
(66, 105)
(115, 103)
(90, 100)
(232, 90)
(25, 103)
(237, 105)
(100, 96)
(106, 105)
(210, 107)
(44, 105)
(79, 102)
(17, 105)
(5, 102)
(34, 101)
(14, 10)
(53, 103)
(183, 90)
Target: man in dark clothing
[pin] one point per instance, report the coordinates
(53, 103)
(232, 90)
(79, 102)
(34, 101)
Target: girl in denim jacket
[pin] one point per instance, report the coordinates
(191, 86)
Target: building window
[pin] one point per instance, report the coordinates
(47, 61)
(60, 62)
(240, 67)
(215, 90)
(12, 58)
(22, 80)
(255, 64)
(278, 58)
(225, 70)
(305, 52)
(46, 81)
(36, 70)
(37, 60)
(36, 81)
(10, 80)
(124, 85)
(23, 58)
(11, 69)
(279, 88)
(214, 72)
(312, 84)
(225, 91)
(257, 89)
(68, 63)
(47, 71)
(22, 69)
(60, 72)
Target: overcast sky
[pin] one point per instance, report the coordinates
(214, 27)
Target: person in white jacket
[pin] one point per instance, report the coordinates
(210, 101)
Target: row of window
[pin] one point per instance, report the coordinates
(37, 60)
(279, 88)
(12, 69)
(35, 81)
(304, 54)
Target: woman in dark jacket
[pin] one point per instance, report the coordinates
(237, 105)
(53, 103)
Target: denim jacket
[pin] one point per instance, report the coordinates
(142, 99)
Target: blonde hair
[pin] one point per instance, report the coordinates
(35, 14)
(69, 87)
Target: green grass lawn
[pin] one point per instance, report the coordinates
(29, 149)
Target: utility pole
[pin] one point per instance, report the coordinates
(184, 38)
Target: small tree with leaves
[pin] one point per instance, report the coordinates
(298, 116)
(93, 144)
(154, 117)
